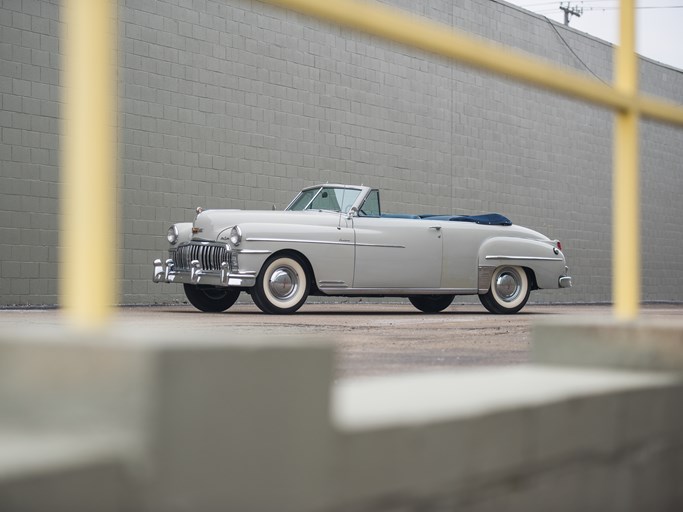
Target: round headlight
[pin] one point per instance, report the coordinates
(172, 235)
(236, 236)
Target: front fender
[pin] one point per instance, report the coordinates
(541, 256)
(328, 247)
(184, 232)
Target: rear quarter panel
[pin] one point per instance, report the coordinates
(464, 244)
(537, 255)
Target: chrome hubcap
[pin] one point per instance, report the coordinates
(283, 283)
(507, 285)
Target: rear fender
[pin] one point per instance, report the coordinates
(540, 256)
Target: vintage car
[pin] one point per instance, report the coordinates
(334, 240)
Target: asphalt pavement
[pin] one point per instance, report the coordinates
(369, 338)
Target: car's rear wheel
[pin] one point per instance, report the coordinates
(431, 303)
(509, 291)
(210, 299)
(282, 285)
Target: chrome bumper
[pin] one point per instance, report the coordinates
(164, 272)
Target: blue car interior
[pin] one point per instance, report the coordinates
(491, 219)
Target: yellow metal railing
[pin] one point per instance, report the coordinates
(89, 225)
(89, 235)
(626, 274)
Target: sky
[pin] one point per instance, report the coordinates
(659, 24)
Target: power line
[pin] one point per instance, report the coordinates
(549, 7)
(615, 8)
(572, 51)
(613, 3)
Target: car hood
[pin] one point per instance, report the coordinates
(209, 224)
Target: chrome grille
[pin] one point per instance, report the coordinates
(209, 255)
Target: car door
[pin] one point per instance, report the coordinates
(397, 254)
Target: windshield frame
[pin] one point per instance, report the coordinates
(360, 197)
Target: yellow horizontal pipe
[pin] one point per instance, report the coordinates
(660, 110)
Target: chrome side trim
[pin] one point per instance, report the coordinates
(390, 246)
(398, 292)
(332, 284)
(301, 241)
(252, 251)
(297, 241)
(523, 258)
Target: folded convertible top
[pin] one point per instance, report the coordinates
(492, 219)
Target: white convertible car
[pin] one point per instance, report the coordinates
(334, 240)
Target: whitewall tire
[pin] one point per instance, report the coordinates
(509, 291)
(282, 285)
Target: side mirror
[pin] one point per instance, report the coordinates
(353, 212)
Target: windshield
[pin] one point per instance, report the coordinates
(335, 199)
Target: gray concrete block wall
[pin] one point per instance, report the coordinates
(29, 145)
(238, 105)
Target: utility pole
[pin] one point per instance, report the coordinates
(570, 11)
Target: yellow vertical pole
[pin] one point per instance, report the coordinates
(626, 194)
(88, 193)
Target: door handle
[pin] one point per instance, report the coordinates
(438, 228)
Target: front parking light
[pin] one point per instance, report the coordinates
(172, 235)
(236, 236)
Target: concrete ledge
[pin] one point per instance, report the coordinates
(527, 431)
(605, 342)
(156, 422)
(213, 418)
(42, 471)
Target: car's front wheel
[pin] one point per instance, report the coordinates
(210, 299)
(431, 303)
(282, 285)
(509, 291)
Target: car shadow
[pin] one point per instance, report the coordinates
(348, 311)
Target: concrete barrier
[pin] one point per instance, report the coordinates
(604, 342)
(136, 421)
